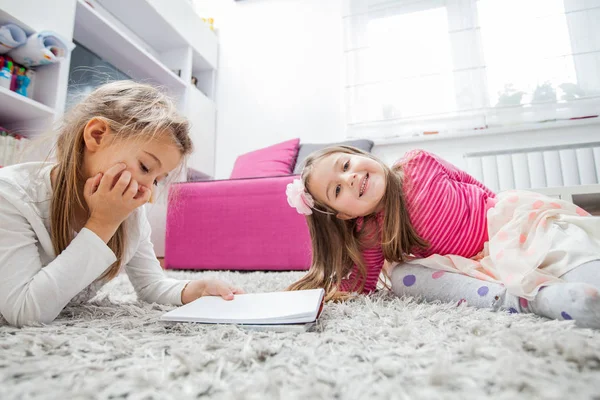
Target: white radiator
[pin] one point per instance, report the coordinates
(536, 168)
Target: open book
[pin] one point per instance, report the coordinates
(276, 308)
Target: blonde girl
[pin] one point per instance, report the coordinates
(68, 227)
(446, 236)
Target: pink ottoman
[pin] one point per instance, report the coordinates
(239, 224)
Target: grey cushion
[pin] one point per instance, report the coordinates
(307, 148)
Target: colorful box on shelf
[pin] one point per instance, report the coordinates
(16, 77)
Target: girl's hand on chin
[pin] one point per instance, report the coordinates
(111, 197)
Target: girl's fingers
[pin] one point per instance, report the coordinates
(91, 185)
(132, 189)
(97, 181)
(237, 290)
(225, 292)
(142, 198)
(123, 182)
(109, 177)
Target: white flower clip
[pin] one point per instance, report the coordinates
(299, 198)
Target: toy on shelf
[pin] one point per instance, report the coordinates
(22, 52)
(5, 73)
(210, 22)
(11, 37)
(23, 80)
(15, 77)
(42, 48)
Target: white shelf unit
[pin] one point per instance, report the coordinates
(164, 28)
(17, 108)
(33, 115)
(162, 42)
(111, 43)
(148, 40)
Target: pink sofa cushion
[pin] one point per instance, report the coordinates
(238, 224)
(275, 160)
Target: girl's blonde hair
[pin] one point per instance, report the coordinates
(131, 110)
(337, 244)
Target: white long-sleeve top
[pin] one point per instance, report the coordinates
(35, 284)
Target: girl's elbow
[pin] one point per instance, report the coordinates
(148, 296)
(24, 317)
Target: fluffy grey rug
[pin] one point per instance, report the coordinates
(377, 347)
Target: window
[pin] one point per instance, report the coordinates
(86, 72)
(434, 65)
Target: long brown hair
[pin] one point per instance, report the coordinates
(131, 110)
(337, 244)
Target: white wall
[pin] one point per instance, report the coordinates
(280, 74)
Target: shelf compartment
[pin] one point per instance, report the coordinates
(152, 28)
(110, 43)
(165, 26)
(16, 108)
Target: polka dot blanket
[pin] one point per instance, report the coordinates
(533, 240)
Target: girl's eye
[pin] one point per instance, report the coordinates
(338, 188)
(346, 166)
(144, 168)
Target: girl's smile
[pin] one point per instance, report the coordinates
(351, 184)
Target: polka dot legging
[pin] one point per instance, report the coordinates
(578, 298)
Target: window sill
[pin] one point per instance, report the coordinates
(486, 132)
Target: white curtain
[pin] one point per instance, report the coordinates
(415, 66)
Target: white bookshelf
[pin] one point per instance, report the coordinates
(166, 25)
(109, 42)
(33, 115)
(154, 28)
(16, 109)
(154, 41)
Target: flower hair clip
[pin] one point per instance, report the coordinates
(300, 199)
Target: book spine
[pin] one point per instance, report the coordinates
(568, 165)
(506, 177)
(2, 150)
(19, 147)
(7, 149)
(535, 162)
(585, 165)
(521, 170)
(552, 167)
(12, 147)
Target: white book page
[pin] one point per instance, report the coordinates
(276, 307)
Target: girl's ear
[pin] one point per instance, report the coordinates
(95, 134)
(343, 216)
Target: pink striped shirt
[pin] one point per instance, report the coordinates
(446, 206)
